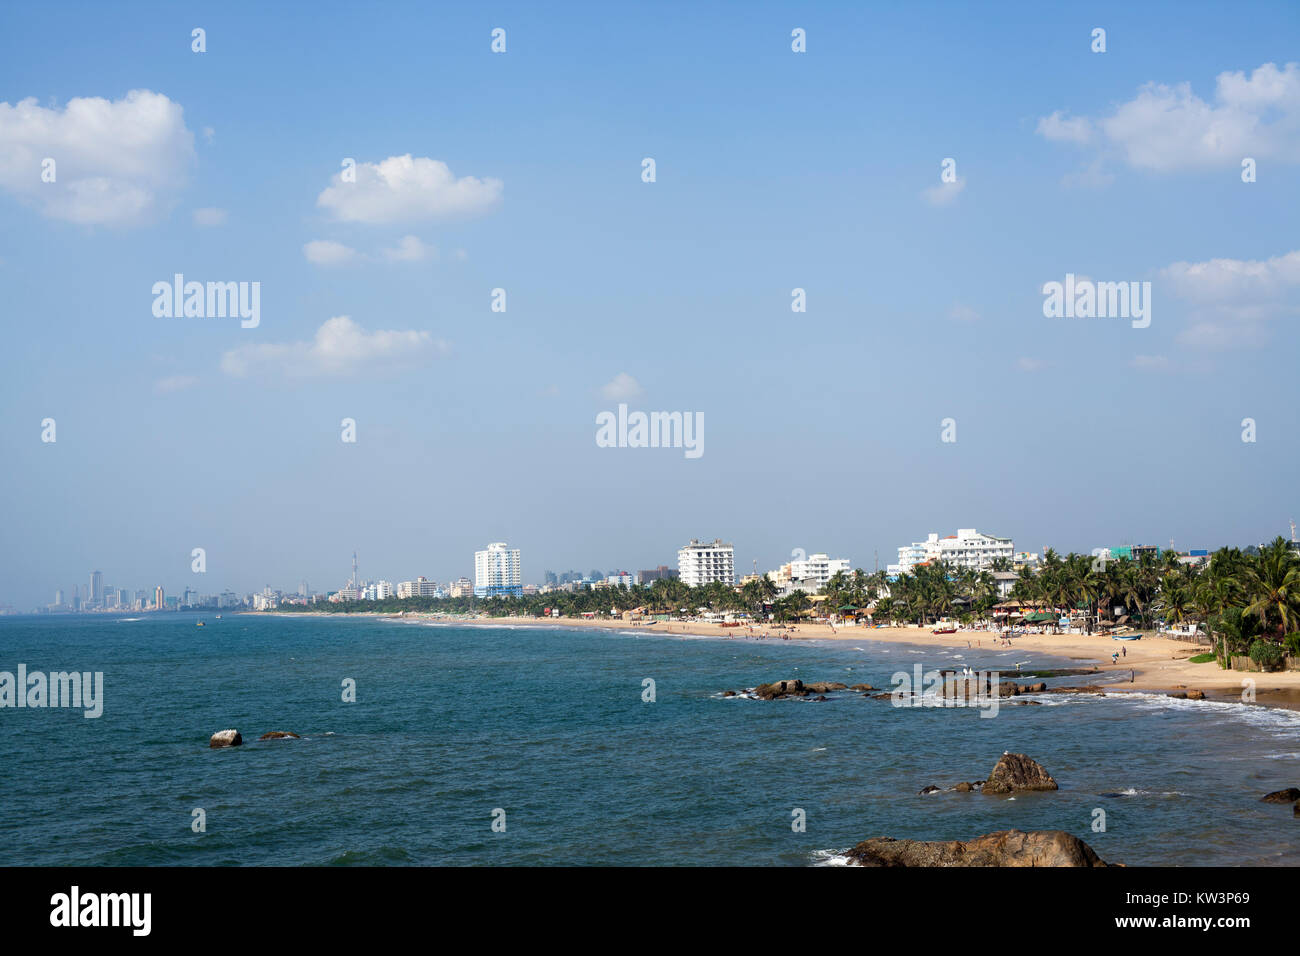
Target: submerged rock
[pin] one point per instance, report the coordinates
(1016, 772)
(225, 738)
(1289, 795)
(1004, 848)
(862, 687)
(279, 735)
(824, 687)
(1196, 695)
(928, 790)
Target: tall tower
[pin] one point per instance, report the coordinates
(96, 587)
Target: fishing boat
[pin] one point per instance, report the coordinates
(200, 624)
(1126, 637)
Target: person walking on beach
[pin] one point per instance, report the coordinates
(1124, 650)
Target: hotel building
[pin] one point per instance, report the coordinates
(699, 563)
(968, 548)
(496, 571)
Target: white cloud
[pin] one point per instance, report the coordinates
(174, 383)
(340, 348)
(944, 193)
(963, 313)
(209, 133)
(406, 189)
(209, 216)
(117, 162)
(1062, 129)
(327, 252)
(1232, 300)
(621, 388)
(1167, 128)
(410, 249)
(1149, 362)
(1030, 364)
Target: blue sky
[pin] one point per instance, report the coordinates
(774, 170)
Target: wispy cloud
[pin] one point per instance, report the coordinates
(944, 193)
(1166, 128)
(174, 383)
(1026, 364)
(340, 348)
(963, 313)
(406, 189)
(1232, 301)
(209, 216)
(621, 388)
(410, 249)
(327, 252)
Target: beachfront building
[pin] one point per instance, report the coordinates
(703, 563)
(461, 587)
(815, 569)
(496, 571)
(420, 587)
(968, 548)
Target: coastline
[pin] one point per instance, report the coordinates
(1157, 664)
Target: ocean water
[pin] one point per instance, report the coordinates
(549, 725)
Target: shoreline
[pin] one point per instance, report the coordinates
(1157, 664)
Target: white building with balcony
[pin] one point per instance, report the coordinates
(702, 563)
(497, 571)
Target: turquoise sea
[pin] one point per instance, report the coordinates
(452, 723)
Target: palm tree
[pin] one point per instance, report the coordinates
(1272, 583)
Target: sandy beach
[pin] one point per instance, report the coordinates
(1154, 663)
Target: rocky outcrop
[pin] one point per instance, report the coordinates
(279, 735)
(780, 688)
(1018, 772)
(1289, 795)
(1196, 695)
(1004, 848)
(861, 687)
(796, 688)
(225, 738)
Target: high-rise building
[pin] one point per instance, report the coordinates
(420, 587)
(58, 597)
(159, 602)
(96, 588)
(700, 563)
(496, 571)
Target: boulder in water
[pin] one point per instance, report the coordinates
(1004, 848)
(225, 738)
(1289, 795)
(278, 735)
(1017, 772)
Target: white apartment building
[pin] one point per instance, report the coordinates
(815, 568)
(378, 591)
(420, 587)
(496, 571)
(699, 563)
(968, 548)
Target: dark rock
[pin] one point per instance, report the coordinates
(225, 738)
(781, 688)
(926, 790)
(1289, 795)
(1196, 695)
(728, 693)
(1004, 848)
(863, 687)
(821, 697)
(1034, 688)
(824, 687)
(963, 788)
(1008, 688)
(1181, 695)
(279, 735)
(1017, 772)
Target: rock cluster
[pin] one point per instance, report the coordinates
(1004, 848)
